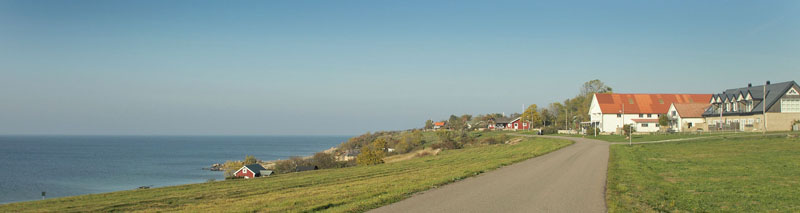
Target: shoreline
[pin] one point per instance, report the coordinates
(151, 161)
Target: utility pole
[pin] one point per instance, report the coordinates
(764, 108)
(566, 119)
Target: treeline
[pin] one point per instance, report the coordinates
(558, 115)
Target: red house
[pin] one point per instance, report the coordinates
(438, 125)
(509, 124)
(252, 171)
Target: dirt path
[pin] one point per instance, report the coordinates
(571, 179)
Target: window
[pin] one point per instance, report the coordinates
(674, 113)
(657, 125)
(516, 125)
(661, 101)
(690, 124)
(790, 105)
(630, 100)
(649, 115)
(619, 115)
(641, 115)
(645, 125)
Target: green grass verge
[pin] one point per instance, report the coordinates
(742, 174)
(657, 136)
(338, 190)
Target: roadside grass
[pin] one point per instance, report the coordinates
(733, 174)
(352, 189)
(656, 136)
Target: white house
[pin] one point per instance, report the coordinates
(687, 117)
(611, 111)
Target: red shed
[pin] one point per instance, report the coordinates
(252, 171)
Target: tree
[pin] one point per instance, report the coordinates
(324, 160)
(547, 117)
(663, 120)
(429, 124)
(249, 159)
(532, 115)
(628, 130)
(372, 154)
(284, 166)
(594, 86)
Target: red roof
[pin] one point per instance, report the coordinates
(611, 103)
(691, 110)
(438, 124)
(645, 120)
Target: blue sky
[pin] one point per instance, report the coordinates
(347, 67)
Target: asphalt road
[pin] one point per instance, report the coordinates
(571, 179)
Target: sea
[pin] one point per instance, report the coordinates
(75, 165)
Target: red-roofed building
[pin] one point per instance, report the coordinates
(438, 125)
(611, 111)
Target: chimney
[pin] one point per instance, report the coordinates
(749, 85)
(767, 82)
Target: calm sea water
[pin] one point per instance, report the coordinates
(75, 165)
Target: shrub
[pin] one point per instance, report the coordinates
(549, 130)
(370, 156)
(373, 153)
(491, 141)
(324, 160)
(627, 130)
(284, 166)
(249, 159)
(591, 131)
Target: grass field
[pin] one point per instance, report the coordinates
(742, 174)
(337, 190)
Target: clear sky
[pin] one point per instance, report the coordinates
(347, 67)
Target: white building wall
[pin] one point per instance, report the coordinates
(610, 122)
(694, 121)
(651, 127)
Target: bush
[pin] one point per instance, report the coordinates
(373, 153)
(370, 156)
(591, 131)
(549, 130)
(491, 141)
(324, 160)
(502, 138)
(627, 130)
(249, 159)
(284, 166)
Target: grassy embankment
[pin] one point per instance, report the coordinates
(728, 173)
(348, 189)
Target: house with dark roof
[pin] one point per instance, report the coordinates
(611, 111)
(687, 117)
(252, 171)
(504, 123)
(769, 107)
(305, 168)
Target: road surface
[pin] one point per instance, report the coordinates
(571, 179)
